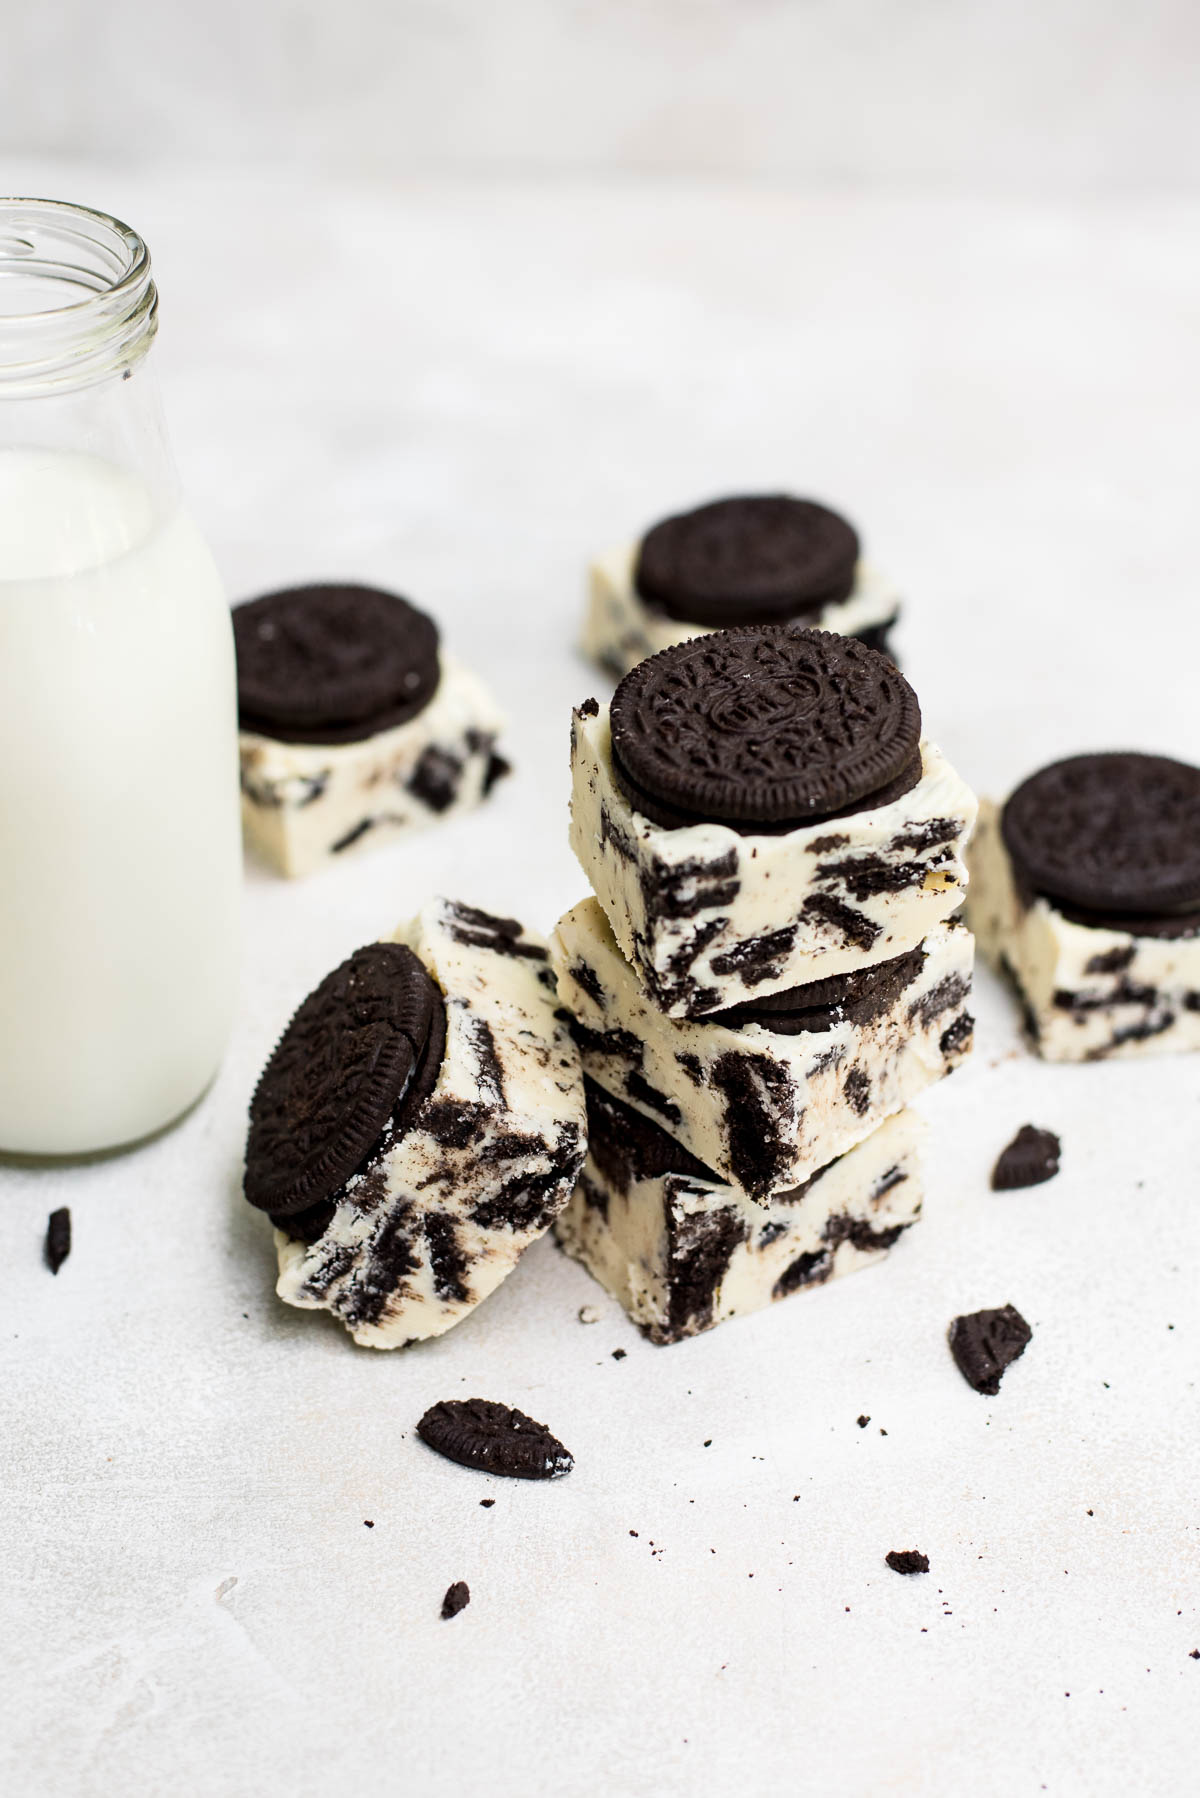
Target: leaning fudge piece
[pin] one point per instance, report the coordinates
(1085, 891)
(758, 810)
(353, 726)
(761, 559)
(682, 1251)
(769, 1092)
(419, 1124)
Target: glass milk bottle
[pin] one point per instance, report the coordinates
(120, 850)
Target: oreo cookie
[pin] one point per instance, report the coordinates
(762, 559)
(764, 730)
(820, 1004)
(332, 664)
(358, 1048)
(1113, 836)
(495, 1438)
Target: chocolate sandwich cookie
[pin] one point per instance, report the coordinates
(357, 1061)
(1113, 838)
(332, 664)
(762, 559)
(764, 730)
(820, 1005)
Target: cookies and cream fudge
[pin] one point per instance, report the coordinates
(683, 1251)
(761, 559)
(419, 1124)
(354, 725)
(758, 809)
(765, 1094)
(1085, 892)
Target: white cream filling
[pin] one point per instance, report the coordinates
(819, 1094)
(626, 1246)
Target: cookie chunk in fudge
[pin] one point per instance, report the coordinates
(757, 559)
(419, 1124)
(682, 1250)
(1085, 892)
(758, 809)
(354, 725)
(772, 1089)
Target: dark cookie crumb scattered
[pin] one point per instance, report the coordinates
(618, 1354)
(985, 1343)
(495, 1438)
(368, 1523)
(458, 1597)
(863, 1422)
(1030, 1158)
(487, 1503)
(907, 1560)
(58, 1238)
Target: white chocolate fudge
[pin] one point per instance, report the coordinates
(709, 917)
(620, 629)
(304, 803)
(761, 1108)
(433, 1222)
(1088, 991)
(682, 1252)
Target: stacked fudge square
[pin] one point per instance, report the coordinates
(770, 969)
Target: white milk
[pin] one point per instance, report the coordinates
(120, 851)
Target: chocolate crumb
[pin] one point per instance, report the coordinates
(458, 1597)
(494, 1438)
(618, 1354)
(708, 1442)
(58, 1238)
(907, 1560)
(368, 1523)
(985, 1343)
(1030, 1158)
(487, 1503)
(863, 1422)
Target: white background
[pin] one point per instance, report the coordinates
(1080, 95)
(460, 386)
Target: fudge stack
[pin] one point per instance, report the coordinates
(770, 969)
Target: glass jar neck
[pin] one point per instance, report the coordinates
(78, 304)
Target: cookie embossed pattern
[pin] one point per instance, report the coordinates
(1086, 894)
(757, 559)
(831, 841)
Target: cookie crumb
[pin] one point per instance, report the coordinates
(368, 1523)
(618, 1354)
(58, 1238)
(1031, 1157)
(487, 1503)
(589, 1314)
(863, 1422)
(907, 1560)
(458, 1597)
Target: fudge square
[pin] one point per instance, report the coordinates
(682, 1251)
(354, 726)
(758, 810)
(757, 559)
(419, 1125)
(1085, 892)
(766, 1094)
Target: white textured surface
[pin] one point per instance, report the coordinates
(467, 394)
(1082, 95)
